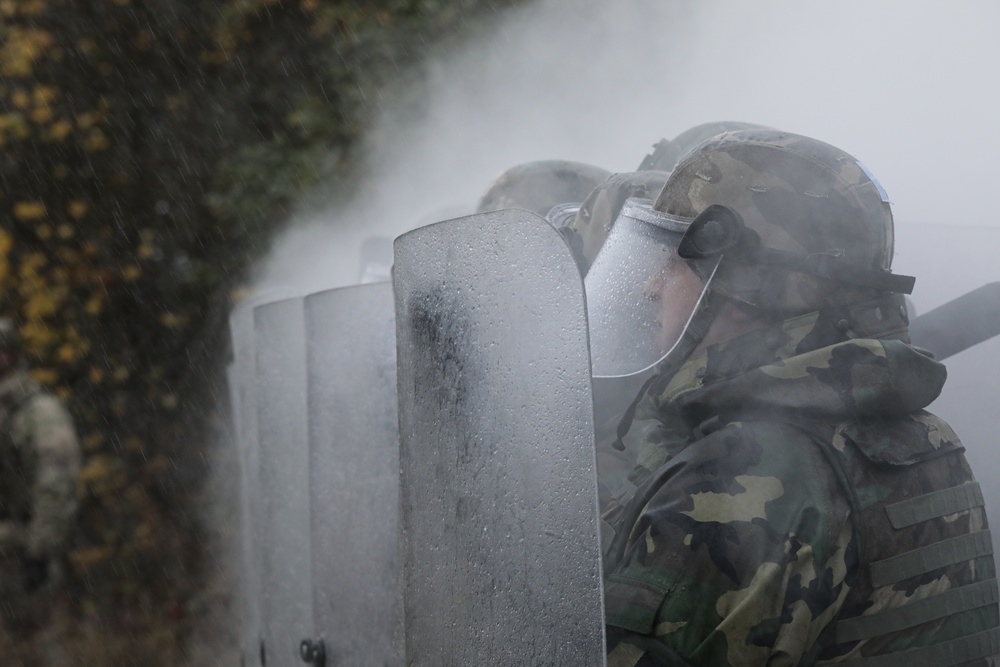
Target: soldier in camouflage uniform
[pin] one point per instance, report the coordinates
(586, 233)
(589, 228)
(794, 503)
(39, 464)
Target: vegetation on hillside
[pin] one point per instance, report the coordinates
(148, 152)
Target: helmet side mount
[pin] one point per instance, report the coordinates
(720, 230)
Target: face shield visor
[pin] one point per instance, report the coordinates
(641, 294)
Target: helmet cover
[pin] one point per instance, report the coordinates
(798, 195)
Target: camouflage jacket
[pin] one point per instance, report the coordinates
(795, 505)
(39, 465)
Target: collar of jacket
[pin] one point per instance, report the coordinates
(846, 361)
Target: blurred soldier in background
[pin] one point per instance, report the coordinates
(554, 189)
(666, 153)
(794, 502)
(39, 465)
(540, 185)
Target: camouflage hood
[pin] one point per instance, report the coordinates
(840, 363)
(759, 525)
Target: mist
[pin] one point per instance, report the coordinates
(904, 87)
(907, 91)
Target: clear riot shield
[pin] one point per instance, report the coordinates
(241, 376)
(950, 261)
(498, 500)
(354, 474)
(283, 483)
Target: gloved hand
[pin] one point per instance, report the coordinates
(35, 571)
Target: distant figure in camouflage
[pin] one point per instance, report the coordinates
(540, 185)
(794, 503)
(39, 465)
(587, 231)
(553, 189)
(667, 152)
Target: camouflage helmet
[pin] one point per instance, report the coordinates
(600, 209)
(538, 186)
(779, 223)
(667, 152)
(801, 225)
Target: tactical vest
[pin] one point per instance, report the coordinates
(925, 551)
(927, 568)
